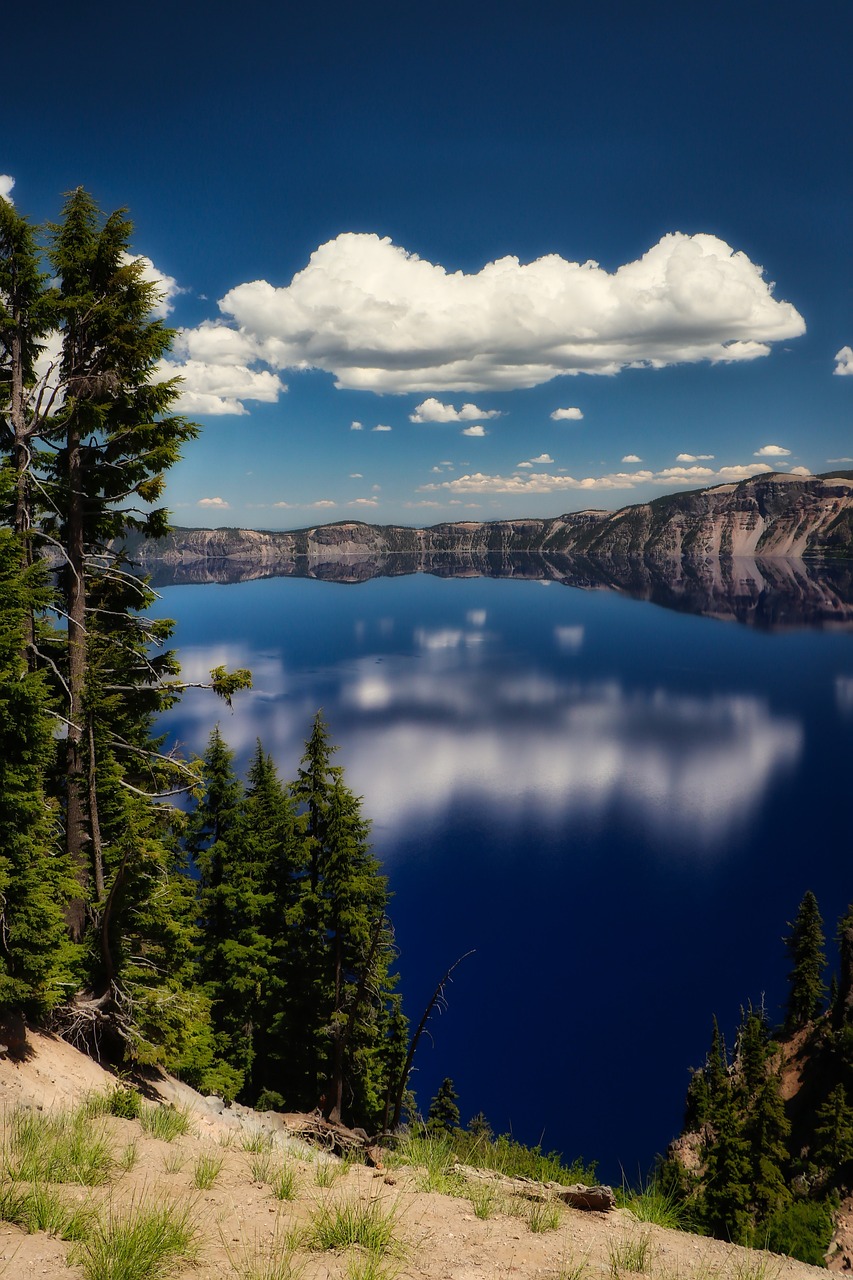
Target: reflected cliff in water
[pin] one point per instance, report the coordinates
(769, 593)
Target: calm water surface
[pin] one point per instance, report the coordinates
(617, 806)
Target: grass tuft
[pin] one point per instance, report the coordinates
(267, 1259)
(370, 1266)
(283, 1183)
(327, 1172)
(63, 1147)
(142, 1243)
(485, 1199)
(365, 1222)
(41, 1207)
(632, 1255)
(260, 1165)
(543, 1215)
(256, 1141)
(207, 1170)
(433, 1157)
(165, 1122)
(651, 1204)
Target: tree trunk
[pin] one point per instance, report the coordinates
(75, 804)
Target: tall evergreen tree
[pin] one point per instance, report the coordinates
(443, 1114)
(38, 965)
(805, 945)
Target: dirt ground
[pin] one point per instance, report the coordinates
(242, 1227)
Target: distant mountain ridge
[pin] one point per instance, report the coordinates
(770, 515)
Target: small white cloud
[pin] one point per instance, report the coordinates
(381, 427)
(543, 457)
(425, 502)
(835, 460)
(376, 488)
(7, 182)
(844, 361)
(356, 426)
(213, 502)
(364, 502)
(694, 457)
(474, 431)
(523, 464)
(445, 463)
(800, 471)
(432, 410)
(323, 502)
(772, 451)
(284, 504)
(632, 457)
(567, 415)
(356, 475)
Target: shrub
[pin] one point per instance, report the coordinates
(802, 1229)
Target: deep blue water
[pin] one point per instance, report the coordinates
(617, 806)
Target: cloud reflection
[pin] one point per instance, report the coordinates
(443, 730)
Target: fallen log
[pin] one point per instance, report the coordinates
(598, 1199)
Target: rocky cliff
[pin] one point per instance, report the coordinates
(767, 516)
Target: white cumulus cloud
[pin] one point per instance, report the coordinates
(567, 415)
(474, 431)
(631, 457)
(213, 502)
(844, 361)
(381, 427)
(7, 182)
(432, 410)
(356, 475)
(693, 457)
(772, 451)
(216, 389)
(545, 482)
(167, 286)
(356, 426)
(364, 502)
(543, 457)
(800, 471)
(382, 319)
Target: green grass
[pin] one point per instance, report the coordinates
(632, 1255)
(165, 1122)
(433, 1158)
(327, 1172)
(543, 1215)
(145, 1242)
(283, 1183)
(515, 1160)
(267, 1259)
(41, 1207)
(207, 1170)
(257, 1141)
(485, 1199)
(572, 1268)
(63, 1147)
(370, 1266)
(128, 1157)
(755, 1264)
(122, 1100)
(260, 1165)
(651, 1204)
(174, 1161)
(365, 1222)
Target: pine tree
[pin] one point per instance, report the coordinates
(443, 1114)
(805, 946)
(38, 965)
(832, 1152)
(116, 439)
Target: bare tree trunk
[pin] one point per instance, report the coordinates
(437, 998)
(21, 463)
(75, 810)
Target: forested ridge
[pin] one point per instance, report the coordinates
(152, 908)
(766, 1154)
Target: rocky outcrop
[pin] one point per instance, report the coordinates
(767, 516)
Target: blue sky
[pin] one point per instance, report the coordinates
(386, 210)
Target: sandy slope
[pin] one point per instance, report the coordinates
(239, 1217)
